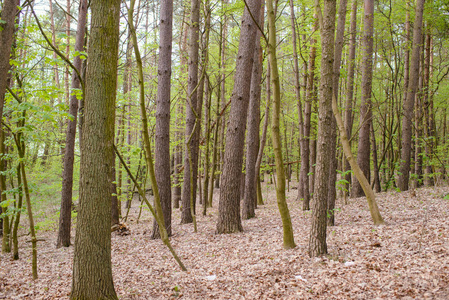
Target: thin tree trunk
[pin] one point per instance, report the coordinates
(223, 45)
(17, 219)
(376, 181)
(162, 147)
(304, 179)
(333, 158)
(363, 151)
(427, 110)
(263, 139)
(191, 160)
(350, 87)
(288, 239)
(406, 144)
(180, 115)
(65, 216)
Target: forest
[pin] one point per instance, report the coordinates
(206, 149)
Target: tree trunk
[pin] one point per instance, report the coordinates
(350, 87)
(288, 239)
(223, 45)
(190, 176)
(92, 269)
(263, 141)
(304, 181)
(333, 161)
(8, 16)
(229, 208)
(363, 152)
(252, 136)
(162, 147)
(180, 115)
(317, 241)
(427, 111)
(406, 144)
(65, 216)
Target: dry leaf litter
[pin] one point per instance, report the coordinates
(406, 259)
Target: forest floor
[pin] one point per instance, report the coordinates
(406, 259)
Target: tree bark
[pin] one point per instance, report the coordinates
(427, 111)
(162, 147)
(229, 208)
(304, 182)
(288, 240)
(333, 161)
(180, 114)
(190, 176)
(406, 144)
(92, 269)
(8, 16)
(253, 121)
(363, 152)
(350, 87)
(317, 241)
(65, 216)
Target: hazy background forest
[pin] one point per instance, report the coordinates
(224, 149)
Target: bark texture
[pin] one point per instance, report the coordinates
(304, 183)
(252, 136)
(288, 239)
(65, 216)
(229, 208)
(317, 241)
(8, 16)
(162, 146)
(350, 85)
(190, 176)
(363, 151)
(406, 144)
(92, 269)
(333, 162)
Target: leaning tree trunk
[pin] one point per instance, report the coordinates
(317, 241)
(65, 216)
(162, 149)
(229, 208)
(92, 268)
(406, 144)
(363, 152)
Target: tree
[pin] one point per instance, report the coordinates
(288, 239)
(317, 241)
(192, 121)
(252, 138)
(65, 217)
(8, 17)
(162, 150)
(229, 208)
(333, 162)
(304, 185)
(363, 152)
(406, 144)
(92, 269)
(350, 85)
